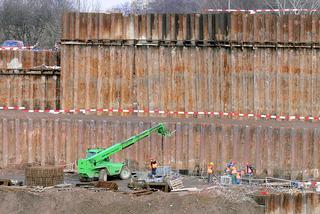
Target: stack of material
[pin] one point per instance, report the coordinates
(176, 184)
(44, 176)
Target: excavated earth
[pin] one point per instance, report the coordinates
(79, 200)
(211, 199)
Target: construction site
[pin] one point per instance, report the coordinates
(225, 106)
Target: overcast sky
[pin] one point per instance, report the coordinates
(91, 5)
(111, 3)
(106, 4)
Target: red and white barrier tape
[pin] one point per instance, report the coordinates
(15, 48)
(12, 108)
(262, 10)
(156, 111)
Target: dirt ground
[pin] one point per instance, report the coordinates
(78, 200)
(209, 199)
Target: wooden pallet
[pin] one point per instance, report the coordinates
(176, 184)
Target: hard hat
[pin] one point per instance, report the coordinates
(211, 163)
(230, 164)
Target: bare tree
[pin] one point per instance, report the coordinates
(175, 6)
(198, 6)
(233, 4)
(34, 21)
(298, 5)
(131, 7)
(88, 6)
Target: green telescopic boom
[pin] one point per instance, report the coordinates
(160, 128)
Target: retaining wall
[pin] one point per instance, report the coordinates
(261, 81)
(285, 149)
(235, 62)
(24, 81)
(247, 69)
(243, 63)
(228, 27)
(300, 203)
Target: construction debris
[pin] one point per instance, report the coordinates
(142, 192)
(107, 185)
(5, 182)
(138, 184)
(86, 184)
(95, 189)
(163, 179)
(8, 182)
(193, 189)
(63, 185)
(40, 188)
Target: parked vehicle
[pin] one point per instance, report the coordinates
(12, 44)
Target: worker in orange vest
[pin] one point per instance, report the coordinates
(154, 166)
(236, 176)
(229, 167)
(210, 172)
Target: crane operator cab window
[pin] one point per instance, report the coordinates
(91, 153)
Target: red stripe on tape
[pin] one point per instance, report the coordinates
(157, 111)
(262, 10)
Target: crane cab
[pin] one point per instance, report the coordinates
(90, 169)
(92, 152)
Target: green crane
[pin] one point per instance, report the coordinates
(97, 164)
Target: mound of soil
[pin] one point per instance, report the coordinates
(78, 200)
